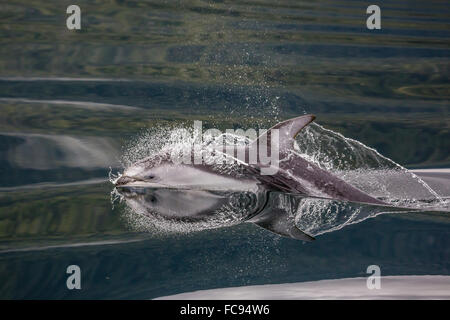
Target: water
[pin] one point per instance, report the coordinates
(76, 106)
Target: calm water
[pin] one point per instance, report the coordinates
(72, 101)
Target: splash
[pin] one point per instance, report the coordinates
(365, 168)
(182, 140)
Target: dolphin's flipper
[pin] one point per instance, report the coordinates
(280, 222)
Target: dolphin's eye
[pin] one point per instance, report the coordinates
(150, 176)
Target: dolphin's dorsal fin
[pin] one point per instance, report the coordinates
(287, 131)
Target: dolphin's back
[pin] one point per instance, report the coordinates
(296, 174)
(318, 182)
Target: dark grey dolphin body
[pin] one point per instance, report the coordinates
(293, 174)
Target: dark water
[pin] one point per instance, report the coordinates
(70, 101)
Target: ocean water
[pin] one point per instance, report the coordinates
(79, 105)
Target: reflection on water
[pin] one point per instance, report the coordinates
(70, 100)
(44, 152)
(241, 255)
(168, 211)
(184, 211)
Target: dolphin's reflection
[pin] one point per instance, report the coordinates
(285, 214)
(182, 205)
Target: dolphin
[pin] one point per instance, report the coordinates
(293, 174)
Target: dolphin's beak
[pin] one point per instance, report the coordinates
(124, 180)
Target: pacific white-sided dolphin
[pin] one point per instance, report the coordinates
(293, 174)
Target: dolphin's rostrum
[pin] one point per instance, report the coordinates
(189, 192)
